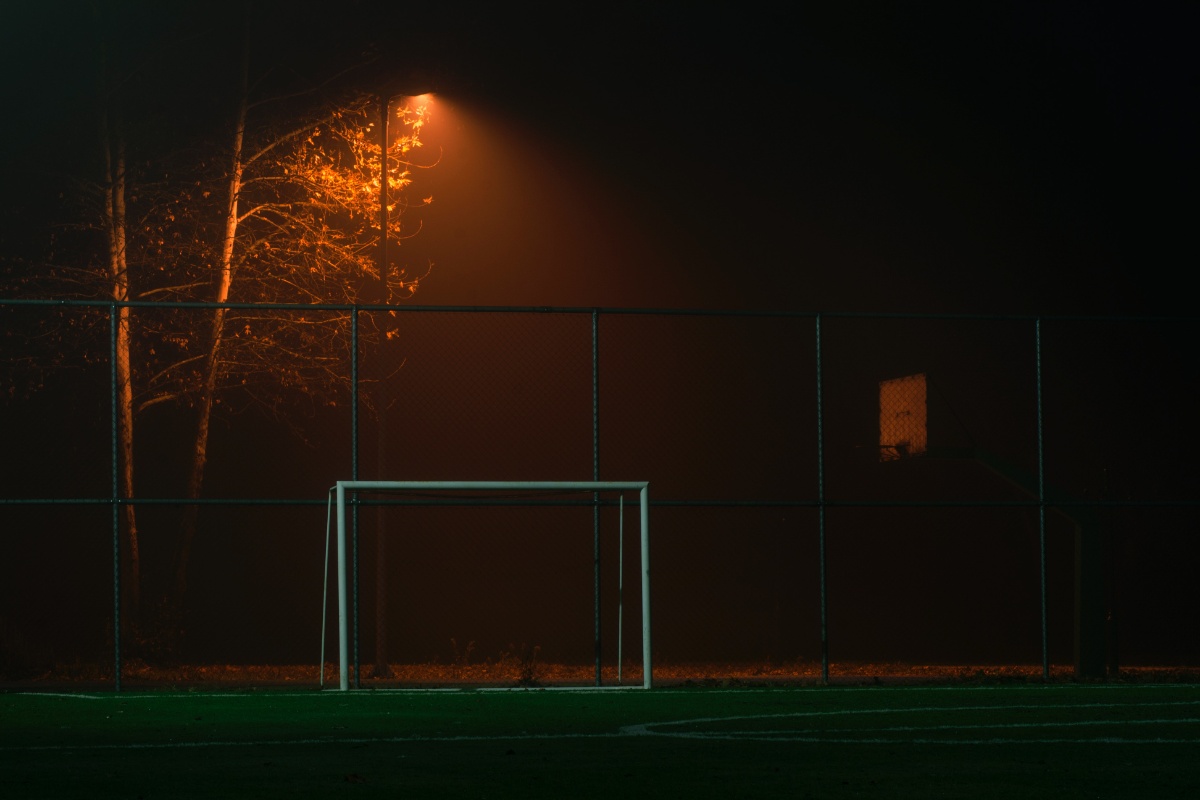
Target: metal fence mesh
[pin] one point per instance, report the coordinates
(830, 492)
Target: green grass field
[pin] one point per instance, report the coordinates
(1060, 741)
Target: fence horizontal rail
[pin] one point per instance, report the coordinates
(689, 503)
(604, 310)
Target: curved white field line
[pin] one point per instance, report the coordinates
(841, 736)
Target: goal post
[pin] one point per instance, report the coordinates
(344, 488)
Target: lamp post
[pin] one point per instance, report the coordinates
(382, 668)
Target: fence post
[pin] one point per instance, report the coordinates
(1041, 495)
(115, 320)
(596, 477)
(354, 476)
(821, 513)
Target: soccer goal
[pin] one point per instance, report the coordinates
(345, 490)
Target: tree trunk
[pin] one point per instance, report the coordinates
(212, 361)
(114, 209)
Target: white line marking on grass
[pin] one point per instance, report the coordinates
(671, 728)
(838, 736)
(290, 742)
(68, 695)
(995, 726)
(920, 710)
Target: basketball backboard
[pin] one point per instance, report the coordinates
(903, 429)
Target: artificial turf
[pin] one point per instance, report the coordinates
(1061, 741)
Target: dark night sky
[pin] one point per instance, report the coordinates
(876, 157)
(1031, 157)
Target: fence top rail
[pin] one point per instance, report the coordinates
(605, 310)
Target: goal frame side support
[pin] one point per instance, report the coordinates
(343, 487)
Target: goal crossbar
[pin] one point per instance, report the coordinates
(349, 487)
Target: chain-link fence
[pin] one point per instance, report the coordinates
(833, 495)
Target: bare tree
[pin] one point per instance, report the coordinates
(297, 227)
(284, 210)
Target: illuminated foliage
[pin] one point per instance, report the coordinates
(306, 232)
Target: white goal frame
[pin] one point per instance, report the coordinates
(344, 487)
